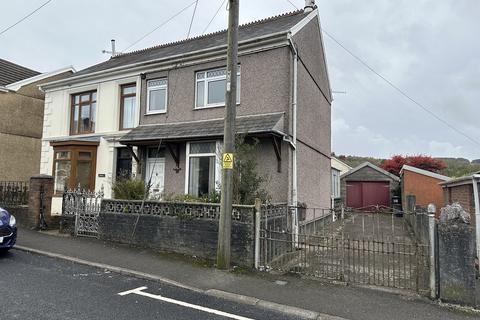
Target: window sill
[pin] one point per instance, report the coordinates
(155, 112)
(82, 133)
(213, 106)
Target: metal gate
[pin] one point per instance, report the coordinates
(360, 248)
(85, 207)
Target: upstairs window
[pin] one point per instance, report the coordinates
(157, 96)
(127, 106)
(210, 88)
(83, 113)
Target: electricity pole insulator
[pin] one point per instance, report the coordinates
(225, 223)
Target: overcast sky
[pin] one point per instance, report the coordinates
(429, 48)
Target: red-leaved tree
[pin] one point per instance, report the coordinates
(395, 164)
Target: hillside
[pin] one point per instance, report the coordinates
(456, 167)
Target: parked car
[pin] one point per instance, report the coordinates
(8, 230)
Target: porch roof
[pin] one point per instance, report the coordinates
(254, 124)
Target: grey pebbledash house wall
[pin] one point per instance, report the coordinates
(265, 88)
(313, 118)
(266, 84)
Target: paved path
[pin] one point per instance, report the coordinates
(40, 288)
(345, 301)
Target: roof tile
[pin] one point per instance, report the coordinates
(265, 27)
(11, 72)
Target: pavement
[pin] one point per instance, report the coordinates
(304, 298)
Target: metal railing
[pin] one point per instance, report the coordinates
(368, 262)
(184, 210)
(84, 205)
(370, 248)
(13, 193)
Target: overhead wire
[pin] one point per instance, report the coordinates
(396, 88)
(293, 4)
(24, 18)
(191, 21)
(160, 25)
(214, 16)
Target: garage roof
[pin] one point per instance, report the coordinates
(374, 167)
(424, 172)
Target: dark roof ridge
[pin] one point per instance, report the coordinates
(167, 44)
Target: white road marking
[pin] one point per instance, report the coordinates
(139, 291)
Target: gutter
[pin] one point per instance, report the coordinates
(475, 181)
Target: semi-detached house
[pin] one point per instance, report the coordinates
(159, 112)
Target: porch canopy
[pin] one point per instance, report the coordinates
(271, 124)
(268, 125)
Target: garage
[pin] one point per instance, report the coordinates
(363, 194)
(368, 185)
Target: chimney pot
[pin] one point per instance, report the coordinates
(309, 5)
(113, 47)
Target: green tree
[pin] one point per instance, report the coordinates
(247, 183)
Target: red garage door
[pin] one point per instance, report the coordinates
(362, 194)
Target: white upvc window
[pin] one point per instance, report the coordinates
(202, 168)
(210, 88)
(157, 96)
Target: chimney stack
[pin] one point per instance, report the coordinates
(113, 48)
(309, 5)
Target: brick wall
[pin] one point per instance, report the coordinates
(463, 194)
(190, 236)
(425, 189)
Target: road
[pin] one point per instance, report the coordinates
(39, 287)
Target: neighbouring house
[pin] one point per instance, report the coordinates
(21, 119)
(367, 185)
(423, 185)
(157, 114)
(466, 191)
(338, 168)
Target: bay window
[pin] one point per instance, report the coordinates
(83, 112)
(74, 166)
(202, 168)
(157, 96)
(210, 88)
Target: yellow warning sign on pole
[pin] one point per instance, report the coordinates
(228, 161)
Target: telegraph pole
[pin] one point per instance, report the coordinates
(225, 223)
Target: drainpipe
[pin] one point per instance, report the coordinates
(475, 180)
(294, 137)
